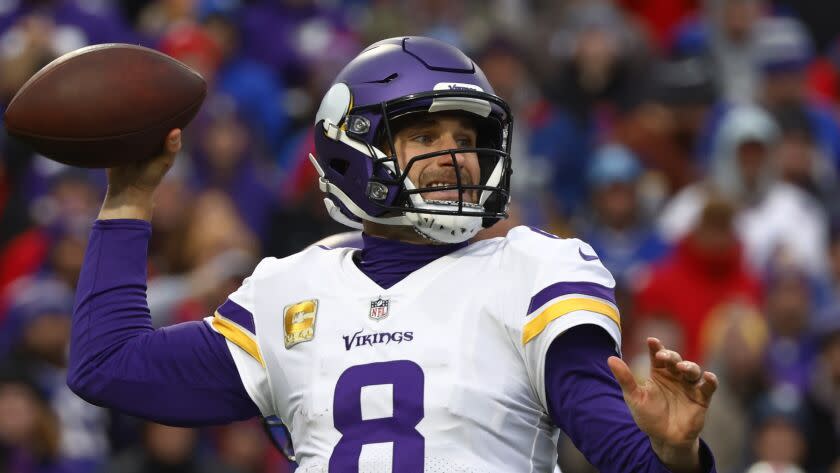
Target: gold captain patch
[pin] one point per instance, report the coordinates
(299, 322)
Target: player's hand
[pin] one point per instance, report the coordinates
(670, 407)
(132, 186)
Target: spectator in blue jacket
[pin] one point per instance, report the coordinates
(624, 241)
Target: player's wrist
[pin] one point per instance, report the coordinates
(682, 458)
(127, 204)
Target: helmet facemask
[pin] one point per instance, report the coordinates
(455, 200)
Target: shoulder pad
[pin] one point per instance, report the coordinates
(569, 259)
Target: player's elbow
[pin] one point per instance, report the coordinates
(79, 369)
(77, 385)
(99, 390)
(86, 380)
(79, 382)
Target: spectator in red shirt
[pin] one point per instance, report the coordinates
(705, 273)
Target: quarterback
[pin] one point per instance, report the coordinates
(418, 353)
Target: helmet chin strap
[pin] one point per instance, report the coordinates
(445, 228)
(428, 238)
(442, 228)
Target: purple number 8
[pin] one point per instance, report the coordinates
(407, 380)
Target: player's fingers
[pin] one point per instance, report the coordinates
(173, 141)
(623, 375)
(669, 359)
(708, 385)
(690, 371)
(654, 346)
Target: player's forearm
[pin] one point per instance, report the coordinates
(181, 375)
(587, 403)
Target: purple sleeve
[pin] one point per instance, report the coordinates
(586, 402)
(179, 375)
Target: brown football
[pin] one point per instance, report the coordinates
(105, 105)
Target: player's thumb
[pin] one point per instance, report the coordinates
(623, 375)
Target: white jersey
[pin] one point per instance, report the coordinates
(442, 372)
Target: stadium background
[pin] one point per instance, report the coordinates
(693, 143)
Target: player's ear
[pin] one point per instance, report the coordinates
(386, 148)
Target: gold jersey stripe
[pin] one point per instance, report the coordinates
(238, 336)
(563, 307)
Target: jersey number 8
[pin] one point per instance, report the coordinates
(407, 379)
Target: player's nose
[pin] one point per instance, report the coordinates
(448, 142)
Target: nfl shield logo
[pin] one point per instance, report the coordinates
(379, 308)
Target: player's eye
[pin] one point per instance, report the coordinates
(465, 142)
(422, 138)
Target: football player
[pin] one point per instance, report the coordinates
(418, 353)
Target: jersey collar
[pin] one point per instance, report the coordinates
(387, 262)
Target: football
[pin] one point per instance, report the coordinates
(105, 105)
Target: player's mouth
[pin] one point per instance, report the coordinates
(447, 195)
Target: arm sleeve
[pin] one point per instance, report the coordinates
(180, 375)
(586, 402)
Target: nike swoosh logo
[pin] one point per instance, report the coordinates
(587, 257)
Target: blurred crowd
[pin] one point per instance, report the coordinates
(693, 143)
